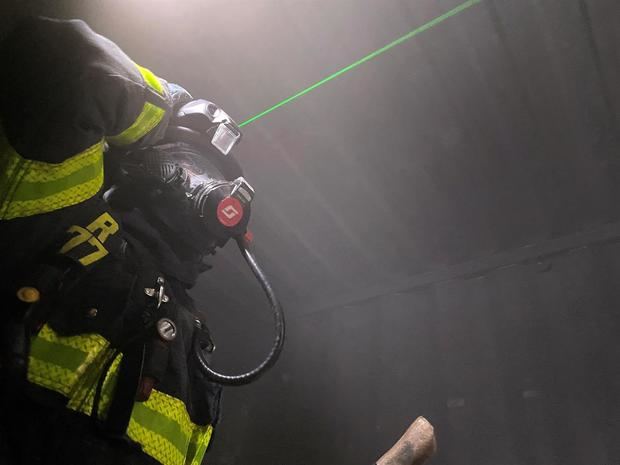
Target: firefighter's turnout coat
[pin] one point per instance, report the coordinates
(85, 290)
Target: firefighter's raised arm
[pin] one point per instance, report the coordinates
(66, 91)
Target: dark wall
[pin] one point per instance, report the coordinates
(519, 365)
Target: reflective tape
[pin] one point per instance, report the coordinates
(145, 122)
(173, 439)
(72, 365)
(30, 187)
(152, 80)
(150, 116)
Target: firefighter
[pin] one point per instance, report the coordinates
(108, 208)
(114, 186)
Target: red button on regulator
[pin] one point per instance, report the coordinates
(229, 212)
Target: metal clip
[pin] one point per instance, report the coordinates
(242, 188)
(158, 292)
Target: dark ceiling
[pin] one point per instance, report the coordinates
(486, 140)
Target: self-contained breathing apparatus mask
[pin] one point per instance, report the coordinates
(194, 160)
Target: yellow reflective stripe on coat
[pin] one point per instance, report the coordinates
(72, 365)
(162, 425)
(150, 116)
(30, 187)
(152, 80)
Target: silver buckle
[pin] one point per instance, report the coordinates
(158, 292)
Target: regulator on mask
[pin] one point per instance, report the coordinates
(195, 159)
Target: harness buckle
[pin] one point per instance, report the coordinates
(158, 292)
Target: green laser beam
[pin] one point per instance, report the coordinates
(370, 56)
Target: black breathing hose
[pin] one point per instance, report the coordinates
(278, 318)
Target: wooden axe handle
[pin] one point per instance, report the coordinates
(414, 447)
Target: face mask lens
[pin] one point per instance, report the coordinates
(225, 137)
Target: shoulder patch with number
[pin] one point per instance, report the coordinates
(87, 244)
